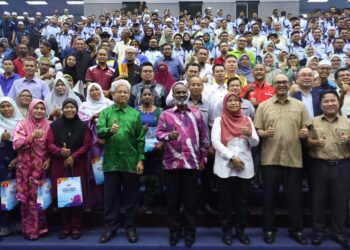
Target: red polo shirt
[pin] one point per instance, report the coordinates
(100, 76)
(18, 63)
(219, 60)
(260, 93)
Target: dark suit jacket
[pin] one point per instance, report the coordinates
(315, 100)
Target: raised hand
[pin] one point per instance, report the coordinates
(246, 130)
(115, 127)
(5, 136)
(270, 132)
(65, 152)
(322, 142)
(304, 132)
(344, 138)
(174, 134)
(38, 133)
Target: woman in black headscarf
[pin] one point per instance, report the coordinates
(68, 142)
(70, 67)
(145, 40)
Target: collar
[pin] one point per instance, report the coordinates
(257, 85)
(325, 119)
(275, 100)
(175, 109)
(199, 101)
(123, 109)
(29, 81)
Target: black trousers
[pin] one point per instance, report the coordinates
(290, 178)
(233, 189)
(181, 186)
(329, 180)
(118, 184)
(207, 181)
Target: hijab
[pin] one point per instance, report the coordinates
(69, 131)
(165, 38)
(164, 77)
(24, 110)
(72, 71)
(144, 45)
(54, 101)
(274, 60)
(91, 107)
(30, 124)
(186, 45)
(9, 124)
(232, 123)
(247, 71)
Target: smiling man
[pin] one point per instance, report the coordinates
(330, 151)
(280, 123)
(184, 133)
(120, 125)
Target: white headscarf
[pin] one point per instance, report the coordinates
(9, 124)
(91, 107)
(54, 101)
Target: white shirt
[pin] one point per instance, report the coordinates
(236, 147)
(345, 110)
(216, 94)
(307, 100)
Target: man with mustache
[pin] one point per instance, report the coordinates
(184, 133)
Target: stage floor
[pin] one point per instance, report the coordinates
(156, 238)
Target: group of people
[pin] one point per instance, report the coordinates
(176, 101)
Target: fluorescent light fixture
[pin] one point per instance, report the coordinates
(75, 2)
(317, 1)
(36, 2)
(4, 3)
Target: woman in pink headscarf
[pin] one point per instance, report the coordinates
(32, 160)
(233, 135)
(163, 77)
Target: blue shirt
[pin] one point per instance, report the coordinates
(37, 87)
(6, 84)
(174, 66)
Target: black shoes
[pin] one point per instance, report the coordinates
(299, 237)
(107, 236)
(269, 237)
(174, 238)
(340, 239)
(243, 238)
(190, 238)
(63, 234)
(76, 235)
(132, 236)
(227, 237)
(317, 238)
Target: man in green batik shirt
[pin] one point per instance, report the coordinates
(120, 126)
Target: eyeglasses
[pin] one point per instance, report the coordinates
(27, 96)
(281, 82)
(306, 75)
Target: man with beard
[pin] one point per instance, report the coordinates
(23, 52)
(184, 133)
(223, 48)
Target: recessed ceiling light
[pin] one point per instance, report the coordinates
(36, 2)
